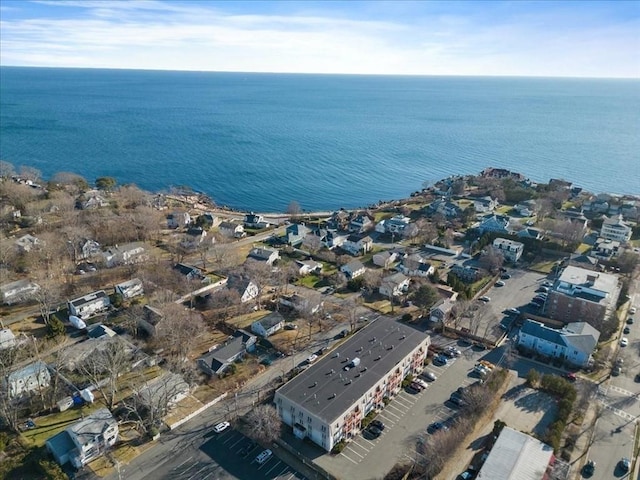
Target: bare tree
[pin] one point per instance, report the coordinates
(294, 209)
(7, 170)
(48, 297)
(104, 366)
(30, 173)
(260, 274)
(491, 259)
(179, 329)
(350, 310)
(264, 424)
(9, 404)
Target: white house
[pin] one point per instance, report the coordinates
(90, 304)
(385, 259)
(353, 269)
(194, 237)
(573, 344)
(360, 223)
(615, 228)
(17, 292)
(127, 254)
(85, 440)
(485, 204)
(252, 220)
(232, 229)
(358, 244)
(495, 223)
(395, 224)
(394, 285)
(27, 379)
(247, 289)
(27, 242)
(178, 219)
(416, 266)
(441, 310)
(268, 325)
(301, 303)
(511, 251)
(306, 267)
(264, 255)
(130, 288)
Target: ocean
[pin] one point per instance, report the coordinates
(259, 141)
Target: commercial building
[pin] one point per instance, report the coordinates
(327, 402)
(582, 295)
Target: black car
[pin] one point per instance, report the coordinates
(436, 427)
(630, 321)
(589, 468)
(505, 276)
(374, 431)
(626, 330)
(378, 424)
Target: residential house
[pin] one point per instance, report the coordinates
(466, 273)
(130, 288)
(583, 261)
(295, 234)
(178, 219)
(630, 211)
(306, 267)
(268, 325)
(89, 249)
(167, 389)
(605, 249)
(88, 305)
(91, 200)
(338, 221)
(573, 344)
(85, 440)
(353, 269)
(445, 207)
(393, 225)
(441, 311)
(330, 238)
(150, 320)
(27, 379)
(194, 237)
(583, 294)
(524, 210)
(495, 223)
(394, 285)
(360, 223)
(576, 217)
(385, 259)
(533, 233)
(510, 250)
(327, 402)
(218, 359)
(264, 255)
(614, 228)
(99, 330)
(7, 338)
(232, 229)
(559, 184)
(600, 206)
(306, 304)
(252, 220)
(247, 289)
(127, 254)
(358, 244)
(18, 291)
(485, 204)
(27, 242)
(193, 274)
(208, 220)
(416, 266)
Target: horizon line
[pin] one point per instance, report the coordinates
(568, 77)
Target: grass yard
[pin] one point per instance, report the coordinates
(50, 425)
(309, 281)
(382, 306)
(504, 209)
(244, 321)
(543, 267)
(583, 247)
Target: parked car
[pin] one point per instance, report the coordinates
(500, 283)
(589, 468)
(626, 330)
(630, 321)
(632, 311)
(312, 358)
(513, 311)
(221, 427)
(571, 377)
(416, 386)
(290, 326)
(624, 342)
(542, 289)
(378, 424)
(264, 456)
(343, 333)
(421, 382)
(624, 464)
(436, 426)
(484, 299)
(430, 376)
(616, 370)
(374, 431)
(505, 276)
(440, 360)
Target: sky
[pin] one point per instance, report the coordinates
(515, 38)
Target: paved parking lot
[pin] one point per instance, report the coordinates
(232, 460)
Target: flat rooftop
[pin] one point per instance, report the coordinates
(577, 276)
(326, 389)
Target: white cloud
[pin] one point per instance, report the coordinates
(158, 35)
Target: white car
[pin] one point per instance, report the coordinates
(624, 341)
(264, 456)
(485, 299)
(312, 358)
(421, 382)
(221, 427)
(632, 310)
(514, 311)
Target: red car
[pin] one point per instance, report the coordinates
(571, 377)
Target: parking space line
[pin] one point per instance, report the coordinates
(349, 458)
(362, 447)
(286, 467)
(236, 443)
(402, 412)
(208, 475)
(229, 439)
(354, 452)
(195, 474)
(267, 472)
(397, 400)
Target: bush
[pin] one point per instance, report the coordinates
(55, 327)
(338, 447)
(533, 378)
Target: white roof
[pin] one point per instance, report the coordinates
(603, 282)
(516, 456)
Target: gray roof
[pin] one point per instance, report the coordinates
(314, 389)
(7, 338)
(271, 320)
(89, 298)
(228, 225)
(262, 253)
(354, 265)
(537, 329)
(581, 336)
(33, 369)
(60, 444)
(92, 425)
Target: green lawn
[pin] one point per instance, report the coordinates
(378, 216)
(583, 247)
(543, 267)
(48, 426)
(309, 281)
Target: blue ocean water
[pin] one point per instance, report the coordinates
(259, 141)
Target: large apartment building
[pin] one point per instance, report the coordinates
(327, 402)
(581, 295)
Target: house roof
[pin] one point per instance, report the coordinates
(187, 269)
(262, 253)
(354, 265)
(309, 263)
(127, 247)
(133, 283)
(60, 444)
(577, 276)
(89, 298)
(246, 336)
(581, 336)
(359, 237)
(166, 386)
(94, 424)
(98, 330)
(537, 329)
(153, 315)
(33, 369)
(271, 320)
(24, 283)
(516, 456)
(224, 354)
(395, 279)
(238, 282)
(228, 225)
(327, 390)
(7, 338)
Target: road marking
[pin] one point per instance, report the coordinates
(187, 460)
(368, 441)
(621, 390)
(354, 452)
(227, 441)
(344, 453)
(397, 409)
(267, 472)
(620, 413)
(208, 475)
(397, 400)
(286, 467)
(241, 439)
